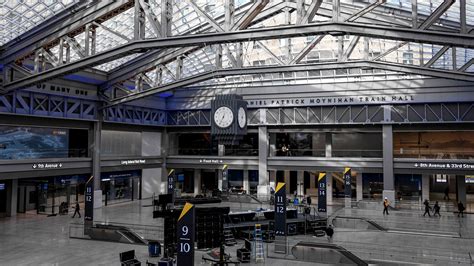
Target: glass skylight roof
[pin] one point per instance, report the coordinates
(18, 17)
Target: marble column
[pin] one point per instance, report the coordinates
(425, 187)
(197, 181)
(263, 188)
(300, 183)
(246, 184)
(221, 184)
(388, 176)
(329, 188)
(287, 181)
(359, 187)
(461, 189)
(273, 179)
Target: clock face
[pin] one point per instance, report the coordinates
(223, 117)
(242, 117)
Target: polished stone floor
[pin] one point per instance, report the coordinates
(30, 239)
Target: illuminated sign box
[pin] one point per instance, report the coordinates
(469, 179)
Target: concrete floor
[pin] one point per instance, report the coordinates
(30, 239)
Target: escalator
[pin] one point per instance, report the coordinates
(325, 253)
(113, 233)
(358, 223)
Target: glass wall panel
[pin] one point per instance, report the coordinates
(434, 145)
(248, 146)
(299, 144)
(358, 144)
(192, 144)
(121, 143)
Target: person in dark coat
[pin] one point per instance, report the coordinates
(329, 233)
(308, 200)
(461, 209)
(436, 209)
(77, 209)
(427, 208)
(446, 193)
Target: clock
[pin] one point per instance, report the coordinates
(223, 117)
(242, 117)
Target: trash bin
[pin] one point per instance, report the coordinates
(154, 248)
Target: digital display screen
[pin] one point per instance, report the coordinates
(33, 142)
(181, 178)
(441, 178)
(469, 179)
(2, 186)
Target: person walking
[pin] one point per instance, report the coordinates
(77, 209)
(461, 209)
(436, 209)
(329, 233)
(308, 200)
(386, 203)
(446, 193)
(427, 208)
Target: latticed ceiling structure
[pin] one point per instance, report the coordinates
(141, 48)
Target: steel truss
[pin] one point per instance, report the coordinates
(340, 115)
(369, 21)
(55, 106)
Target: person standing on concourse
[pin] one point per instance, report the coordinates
(386, 203)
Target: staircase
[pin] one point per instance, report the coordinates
(229, 239)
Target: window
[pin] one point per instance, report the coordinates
(408, 58)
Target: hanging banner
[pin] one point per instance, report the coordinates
(171, 178)
(225, 172)
(322, 192)
(186, 236)
(347, 183)
(280, 210)
(89, 200)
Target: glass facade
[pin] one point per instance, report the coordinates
(192, 144)
(434, 145)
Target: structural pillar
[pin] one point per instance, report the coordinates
(425, 187)
(165, 147)
(387, 138)
(197, 182)
(329, 189)
(461, 189)
(96, 148)
(263, 188)
(287, 178)
(273, 179)
(312, 179)
(220, 183)
(300, 183)
(12, 197)
(246, 185)
(359, 187)
(328, 144)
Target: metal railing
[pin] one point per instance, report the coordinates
(148, 232)
(378, 252)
